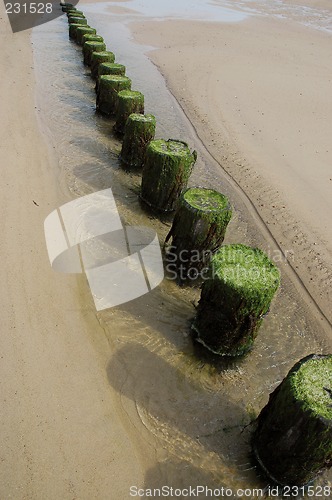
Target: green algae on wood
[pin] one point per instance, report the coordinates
(84, 30)
(91, 37)
(198, 230)
(109, 86)
(75, 13)
(77, 20)
(67, 6)
(100, 57)
(139, 131)
(236, 294)
(293, 439)
(167, 167)
(73, 30)
(109, 69)
(129, 101)
(90, 47)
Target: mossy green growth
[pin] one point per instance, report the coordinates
(129, 102)
(293, 438)
(73, 30)
(99, 57)
(109, 86)
(77, 20)
(75, 13)
(242, 282)
(91, 37)
(198, 230)
(312, 386)
(92, 46)
(107, 68)
(168, 165)
(248, 272)
(84, 30)
(139, 131)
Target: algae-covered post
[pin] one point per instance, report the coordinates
(139, 131)
(198, 230)
(129, 101)
(234, 299)
(167, 167)
(75, 13)
(91, 37)
(98, 58)
(109, 69)
(92, 46)
(73, 30)
(84, 30)
(67, 6)
(109, 86)
(293, 439)
(77, 20)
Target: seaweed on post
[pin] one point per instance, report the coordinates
(198, 230)
(138, 132)
(293, 439)
(109, 86)
(167, 167)
(89, 47)
(100, 57)
(129, 101)
(235, 297)
(109, 69)
(84, 30)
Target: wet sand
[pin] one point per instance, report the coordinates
(94, 403)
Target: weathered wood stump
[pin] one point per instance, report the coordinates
(293, 439)
(109, 86)
(75, 13)
(139, 131)
(129, 101)
(167, 167)
(84, 30)
(90, 47)
(77, 20)
(109, 69)
(73, 30)
(198, 230)
(99, 57)
(88, 37)
(67, 6)
(235, 296)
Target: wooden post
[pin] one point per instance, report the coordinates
(73, 30)
(84, 30)
(67, 6)
(75, 13)
(77, 20)
(99, 57)
(109, 69)
(167, 167)
(139, 131)
(109, 86)
(90, 47)
(129, 101)
(236, 295)
(91, 38)
(293, 439)
(198, 230)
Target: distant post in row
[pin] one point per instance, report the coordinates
(107, 68)
(236, 295)
(98, 58)
(167, 168)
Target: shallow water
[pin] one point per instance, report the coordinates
(195, 410)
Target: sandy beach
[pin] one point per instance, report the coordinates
(94, 403)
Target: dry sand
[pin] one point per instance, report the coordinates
(61, 433)
(259, 94)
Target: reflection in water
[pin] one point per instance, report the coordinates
(195, 409)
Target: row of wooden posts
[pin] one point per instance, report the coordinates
(293, 437)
